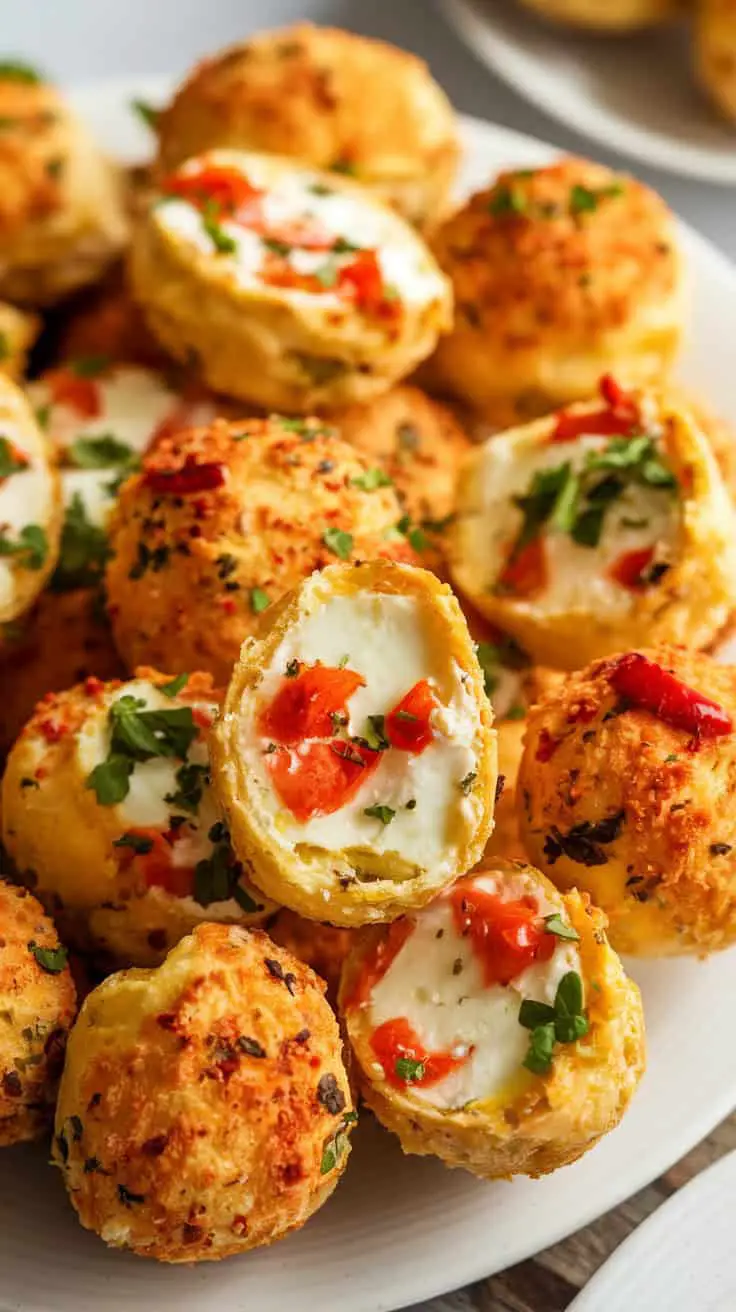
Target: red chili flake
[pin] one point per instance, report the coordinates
(547, 746)
(646, 685)
(228, 605)
(202, 718)
(52, 731)
(92, 686)
(193, 477)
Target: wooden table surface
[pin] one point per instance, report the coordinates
(550, 1281)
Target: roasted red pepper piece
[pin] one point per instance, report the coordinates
(191, 478)
(408, 726)
(79, 394)
(650, 687)
(621, 418)
(226, 189)
(320, 778)
(629, 568)
(508, 937)
(525, 573)
(305, 705)
(396, 1041)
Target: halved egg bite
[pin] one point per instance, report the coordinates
(355, 757)
(597, 528)
(64, 639)
(223, 520)
(62, 219)
(626, 789)
(109, 815)
(293, 290)
(205, 1108)
(303, 91)
(559, 274)
(37, 1007)
(30, 506)
(496, 1028)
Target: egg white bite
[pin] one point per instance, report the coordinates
(293, 289)
(597, 528)
(496, 1028)
(109, 814)
(30, 505)
(355, 758)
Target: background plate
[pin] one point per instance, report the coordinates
(634, 94)
(400, 1229)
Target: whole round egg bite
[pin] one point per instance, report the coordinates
(222, 521)
(292, 289)
(626, 790)
(607, 15)
(37, 1007)
(30, 506)
(62, 218)
(597, 528)
(559, 274)
(204, 1108)
(63, 640)
(109, 815)
(355, 757)
(715, 53)
(496, 1028)
(302, 91)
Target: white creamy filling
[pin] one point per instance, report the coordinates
(289, 196)
(436, 983)
(133, 404)
(642, 517)
(26, 497)
(390, 642)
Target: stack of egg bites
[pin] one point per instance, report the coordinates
(359, 575)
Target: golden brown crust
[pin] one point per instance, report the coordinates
(303, 91)
(286, 483)
(64, 639)
(555, 1118)
(667, 877)
(37, 1007)
(715, 52)
(560, 274)
(61, 206)
(224, 1140)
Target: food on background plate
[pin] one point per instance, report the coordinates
(105, 321)
(109, 815)
(715, 53)
(559, 274)
(289, 289)
(321, 946)
(62, 219)
(236, 1126)
(335, 100)
(30, 508)
(418, 443)
(596, 528)
(355, 757)
(37, 1007)
(495, 1029)
(63, 640)
(615, 16)
(18, 332)
(223, 520)
(626, 791)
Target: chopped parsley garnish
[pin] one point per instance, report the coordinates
(507, 200)
(90, 366)
(555, 925)
(372, 479)
(336, 1144)
(466, 784)
(102, 452)
(223, 243)
(139, 735)
(584, 200)
(137, 843)
(146, 112)
(83, 551)
(15, 70)
(409, 1070)
(191, 779)
(374, 735)
(338, 542)
(343, 166)
(277, 247)
(565, 1022)
(505, 654)
(292, 668)
(52, 960)
(174, 686)
(319, 189)
(383, 813)
(9, 463)
(259, 600)
(31, 546)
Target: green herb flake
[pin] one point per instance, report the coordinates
(16, 70)
(90, 366)
(277, 247)
(83, 551)
(259, 600)
(9, 462)
(52, 960)
(555, 925)
(372, 479)
(292, 668)
(338, 542)
(191, 779)
(146, 113)
(374, 734)
(223, 243)
(565, 1022)
(507, 201)
(103, 452)
(672, 757)
(174, 686)
(383, 813)
(31, 547)
(138, 843)
(344, 166)
(466, 784)
(408, 1070)
(335, 1146)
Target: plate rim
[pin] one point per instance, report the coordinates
(410, 1286)
(651, 148)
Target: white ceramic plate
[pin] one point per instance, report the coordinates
(634, 94)
(403, 1229)
(682, 1259)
